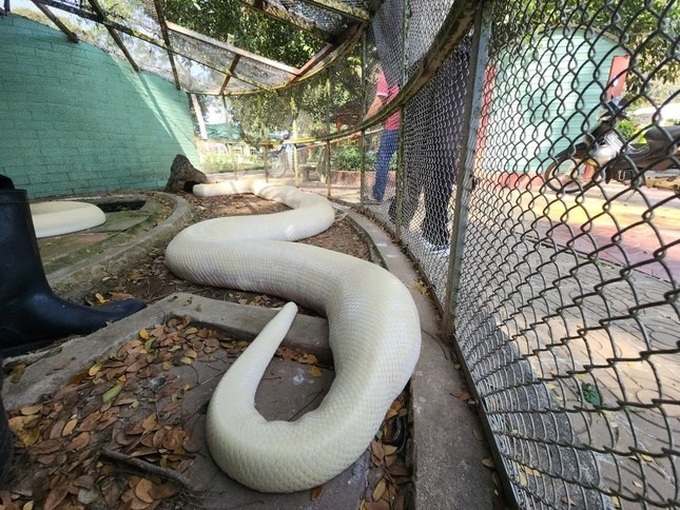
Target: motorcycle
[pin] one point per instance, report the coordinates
(606, 155)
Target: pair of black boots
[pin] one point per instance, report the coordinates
(31, 315)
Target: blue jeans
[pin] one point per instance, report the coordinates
(389, 141)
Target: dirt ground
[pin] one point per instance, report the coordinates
(152, 281)
(116, 437)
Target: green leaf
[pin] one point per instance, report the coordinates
(112, 392)
(591, 394)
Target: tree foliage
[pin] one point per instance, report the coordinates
(250, 29)
(648, 29)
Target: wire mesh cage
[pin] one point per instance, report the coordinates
(529, 163)
(566, 306)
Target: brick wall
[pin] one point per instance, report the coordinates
(73, 119)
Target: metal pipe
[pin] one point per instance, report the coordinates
(466, 163)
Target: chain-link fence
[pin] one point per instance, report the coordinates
(524, 153)
(514, 176)
(565, 273)
(515, 150)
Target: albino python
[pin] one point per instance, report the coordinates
(374, 334)
(60, 217)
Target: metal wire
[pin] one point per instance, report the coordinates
(568, 313)
(563, 276)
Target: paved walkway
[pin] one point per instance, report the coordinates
(586, 289)
(639, 229)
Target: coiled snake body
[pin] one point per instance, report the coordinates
(374, 335)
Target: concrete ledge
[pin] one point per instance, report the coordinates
(448, 446)
(52, 368)
(72, 281)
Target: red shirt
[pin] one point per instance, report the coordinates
(387, 92)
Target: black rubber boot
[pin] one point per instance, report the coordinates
(31, 315)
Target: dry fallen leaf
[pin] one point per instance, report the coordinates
(47, 446)
(463, 395)
(55, 497)
(163, 491)
(94, 369)
(79, 442)
(112, 392)
(26, 434)
(30, 410)
(18, 371)
(488, 462)
(315, 371)
(421, 287)
(308, 359)
(142, 490)
(315, 493)
(150, 422)
(173, 439)
(376, 505)
(69, 427)
(377, 452)
(379, 490)
(389, 449)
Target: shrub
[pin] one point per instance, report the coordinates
(349, 158)
(630, 130)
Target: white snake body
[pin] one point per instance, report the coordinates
(374, 335)
(60, 217)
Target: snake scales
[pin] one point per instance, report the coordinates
(374, 335)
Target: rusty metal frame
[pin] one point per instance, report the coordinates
(166, 37)
(50, 15)
(336, 47)
(114, 35)
(231, 48)
(227, 78)
(341, 8)
(265, 8)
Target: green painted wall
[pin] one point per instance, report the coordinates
(546, 96)
(73, 119)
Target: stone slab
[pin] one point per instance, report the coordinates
(121, 221)
(51, 368)
(287, 391)
(72, 281)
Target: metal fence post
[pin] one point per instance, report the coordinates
(294, 135)
(328, 132)
(362, 140)
(466, 162)
(399, 192)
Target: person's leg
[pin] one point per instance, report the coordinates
(438, 187)
(389, 141)
(446, 117)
